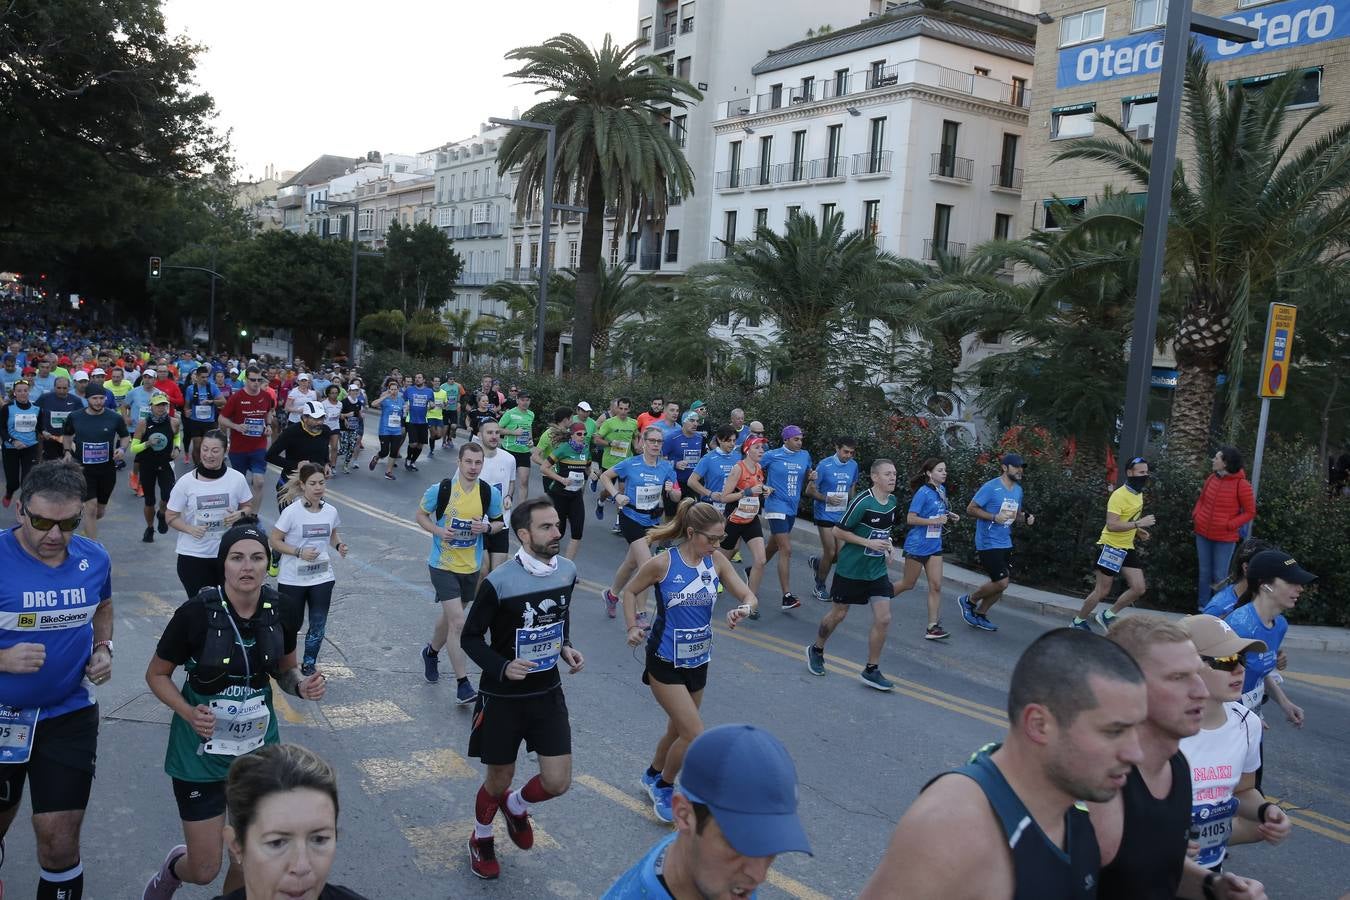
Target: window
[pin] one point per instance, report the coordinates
(1140, 111)
(630, 253)
(534, 255)
(761, 218)
(515, 256)
(1309, 90)
(1072, 121)
(982, 71)
(1007, 162)
(573, 254)
(876, 141)
(1002, 226)
(947, 152)
(942, 225)
(1149, 14)
(681, 130)
(734, 164)
(673, 245)
(875, 73)
(765, 158)
(1018, 95)
(1084, 26)
(826, 211)
(798, 156)
(729, 226)
(834, 140)
(808, 88)
(682, 68)
(1055, 208)
(840, 82)
(793, 212)
(775, 96)
(871, 217)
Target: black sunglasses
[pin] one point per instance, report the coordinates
(1225, 663)
(42, 523)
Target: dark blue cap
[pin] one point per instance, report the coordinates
(1012, 459)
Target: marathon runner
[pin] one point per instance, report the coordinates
(864, 535)
(303, 535)
(97, 439)
(1075, 706)
(499, 470)
(615, 436)
(557, 432)
(246, 414)
(440, 399)
(1228, 591)
(202, 505)
(645, 479)
(51, 658)
(391, 407)
(134, 407)
(669, 423)
(154, 442)
(455, 393)
(738, 425)
(54, 408)
(927, 515)
(687, 579)
(332, 417)
(232, 640)
(564, 475)
(1116, 554)
(734, 812)
(709, 478)
(202, 401)
(787, 471)
(743, 493)
(517, 631)
(995, 507)
(518, 438)
(481, 413)
(684, 448)
(304, 440)
(832, 490)
(418, 400)
(19, 434)
(655, 411)
(303, 392)
(353, 426)
(458, 513)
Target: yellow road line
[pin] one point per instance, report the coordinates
(281, 705)
(1318, 829)
(1327, 681)
(390, 773)
(1299, 816)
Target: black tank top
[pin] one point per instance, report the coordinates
(1041, 869)
(158, 439)
(1153, 841)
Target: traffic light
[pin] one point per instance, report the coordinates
(154, 266)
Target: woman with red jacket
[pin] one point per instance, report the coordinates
(1226, 504)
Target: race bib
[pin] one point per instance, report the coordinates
(312, 569)
(691, 455)
(934, 532)
(575, 479)
(94, 453)
(25, 421)
(835, 501)
(878, 534)
(618, 451)
(202, 412)
(540, 646)
(1112, 558)
(1008, 506)
(240, 728)
(1255, 697)
(693, 646)
(254, 426)
(775, 516)
(395, 420)
(647, 496)
(16, 733)
(748, 507)
(1212, 825)
(59, 419)
(461, 533)
(211, 511)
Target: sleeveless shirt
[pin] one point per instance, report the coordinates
(1153, 838)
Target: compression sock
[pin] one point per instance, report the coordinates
(68, 884)
(485, 810)
(532, 792)
(653, 772)
(413, 453)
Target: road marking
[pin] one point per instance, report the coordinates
(283, 706)
(156, 605)
(336, 670)
(1327, 681)
(1339, 831)
(388, 773)
(783, 882)
(441, 848)
(367, 712)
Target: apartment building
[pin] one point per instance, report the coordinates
(405, 197)
(293, 195)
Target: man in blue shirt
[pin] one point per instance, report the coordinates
(831, 490)
(995, 506)
(418, 398)
(710, 475)
(44, 382)
(735, 809)
(787, 469)
(201, 407)
(683, 448)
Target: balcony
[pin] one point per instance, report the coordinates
(291, 196)
(931, 247)
(718, 250)
(522, 273)
(665, 40)
(476, 230)
(649, 260)
(1006, 180)
(1018, 94)
(729, 180)
(478, 279)
(946, 165)
(876, 164)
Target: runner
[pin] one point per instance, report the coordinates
(302, 535)
(1225, 598)
(995, 507)
(349, 416)
(709, 477)
(499, 470)
(332, 417)
(418, 400)
(517, 631)
(684, 448)
(564, 475)
(224, 708)
(517, 439)
(134, 407)
(154, 443)
(49, 666)
(19, 434)
(390, 404)
(1116, 554)
(436, 415)
(246, 414)
(687, 580)
(354, 404)
(655, 411)
(615, 436)
(669, 423)
(738, 425)
(734, 812)
(864, 534)
(204, 503)
(743, 493)
(1075, 706)
(457, 513)
(787, 471)
(201, 406)
(303, 392)
(832, 490)
(927, 515)
(54, 408)
(97, 439)
(454, 392)
(307, 440)
(1224, 756)
(480, 414)
(557, 432)
(645, 479)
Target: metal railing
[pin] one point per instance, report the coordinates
(931, 246)
(718, 250)
(872, 163)
(946, 164)
(522, 273)
(649, 259)
(1018, 95)
(1006, 178)
(477, 230)
(478, 279)
(728, 180)
(664, 39)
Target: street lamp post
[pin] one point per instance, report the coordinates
(547, 231)
(1181, 21)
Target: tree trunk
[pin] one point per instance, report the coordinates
(588, 272)
(1326, 417)
(1188, 429)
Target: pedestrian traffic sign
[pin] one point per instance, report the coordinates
(1279, 351)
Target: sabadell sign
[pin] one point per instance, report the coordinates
(1297, 23)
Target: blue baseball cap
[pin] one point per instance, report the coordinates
(1013, 459)
(746, 777)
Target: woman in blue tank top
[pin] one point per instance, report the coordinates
(680, 643)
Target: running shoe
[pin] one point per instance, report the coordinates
(595, 485)
(164, 884)
(821, 592)
(790, 601)
(984, 624)
(464, 693)
(518, 828)
(483, 858)
(149, 536)
(936, 632)
(374, 461)
(814, 563)
(649, 785)
(391, 476)
(1105, 618)
(616, 529)
(600, 510)
(411, 467)
(307, 669)
(432, 452)
(968, 613)
(1082, 624)
(661, 799)
(815, 660)
(161, 522)
(872, 677)
(611, 603)
(431, 665)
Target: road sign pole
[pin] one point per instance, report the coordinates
(1260, 447)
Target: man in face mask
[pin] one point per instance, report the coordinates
(1115, 550)
(996, 507)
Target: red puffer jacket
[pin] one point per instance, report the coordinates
(1225, 505)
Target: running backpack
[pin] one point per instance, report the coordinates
(443, 496)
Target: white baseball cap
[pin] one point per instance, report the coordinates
(81, 375)
(313, 409)
(584, 405)
(303, 376)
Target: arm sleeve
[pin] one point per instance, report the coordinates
(276, 454)
(473, 638)
(4, 422)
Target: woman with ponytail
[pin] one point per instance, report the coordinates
(927, 516)
(302, 536)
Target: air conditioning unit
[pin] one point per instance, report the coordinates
(1144, 134)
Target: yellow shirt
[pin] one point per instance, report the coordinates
(1128, 505)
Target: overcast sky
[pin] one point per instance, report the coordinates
(297, 78)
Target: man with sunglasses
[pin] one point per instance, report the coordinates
(56, 625)
(97, 438)
(246, 414)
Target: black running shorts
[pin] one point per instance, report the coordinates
(501, 723)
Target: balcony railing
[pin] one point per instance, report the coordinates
(1019, 95)
(873, 163)
(522, 273)
(728, 180)
(931, 246)
(649, 260)
(1006, 179)
(476, 230)
(948, 165)
(664, 39)
(718, 250)
(478, 279)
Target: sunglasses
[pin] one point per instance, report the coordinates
(44, 524)
(1226, 663)
(257, 380)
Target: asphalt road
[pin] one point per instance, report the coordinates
(407, 789)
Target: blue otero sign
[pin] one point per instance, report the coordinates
(1297, 23)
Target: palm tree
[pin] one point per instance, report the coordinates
(613, 146)
(1260, 204)
(522, 311)
(467, 337)
(619, 295)
(669, 337)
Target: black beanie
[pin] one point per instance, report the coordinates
(246, 532)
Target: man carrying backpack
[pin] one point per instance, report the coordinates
(457, 513)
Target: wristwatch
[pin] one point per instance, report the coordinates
(108, 644)
(1207, 887)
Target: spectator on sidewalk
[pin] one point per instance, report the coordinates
(1222, 512)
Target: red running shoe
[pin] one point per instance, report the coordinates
(517, 827)
(483, 859)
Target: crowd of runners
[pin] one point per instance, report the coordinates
(1132, 760)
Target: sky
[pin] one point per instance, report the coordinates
(293, 79)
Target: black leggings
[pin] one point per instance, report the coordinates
(17, 465)
(156, 472)
(571, 507)
(389, 444)
(196, 572)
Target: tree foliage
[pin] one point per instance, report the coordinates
(420, 265)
